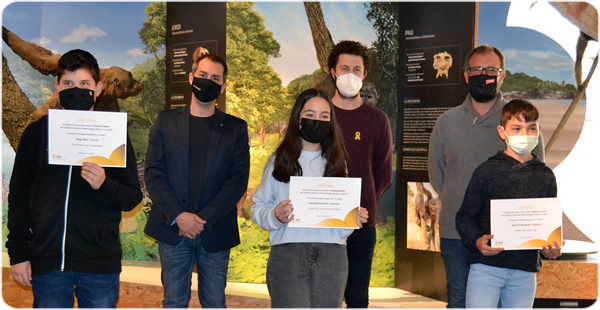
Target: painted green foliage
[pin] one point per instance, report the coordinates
(143, 108)
(301, 83)
(254, 90)
(154, 30)
(382, 272)
(248, 261)
(385, 17)
(520, 81)
(137, 245)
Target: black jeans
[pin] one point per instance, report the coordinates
(360, 246)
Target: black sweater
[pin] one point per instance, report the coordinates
(36, 210)
(502, 177)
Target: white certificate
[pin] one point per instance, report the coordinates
(325, 202)
(524, 224)
(78, 136)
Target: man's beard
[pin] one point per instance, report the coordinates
(494, 97)
(344, 97)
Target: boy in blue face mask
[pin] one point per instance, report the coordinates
(495, 274)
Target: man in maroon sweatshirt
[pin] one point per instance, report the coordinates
(368, 139)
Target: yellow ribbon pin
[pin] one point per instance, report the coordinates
(357, 137)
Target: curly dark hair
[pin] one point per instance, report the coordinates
(350, 48)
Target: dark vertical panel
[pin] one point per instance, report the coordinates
(424, 92)
(189, 26)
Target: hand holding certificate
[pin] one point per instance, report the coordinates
(523, 224)
(325, 202)
(75, 137)
(284, 211)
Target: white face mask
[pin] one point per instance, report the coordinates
(522, 144)
(348, 84)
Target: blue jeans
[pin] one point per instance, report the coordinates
(360, 246)
(307, 275)
(487, 285)
(177, 262)
(455, 255)
(56, 290)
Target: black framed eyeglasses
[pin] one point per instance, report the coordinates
(488, 71)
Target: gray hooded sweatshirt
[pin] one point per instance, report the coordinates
(461, 140)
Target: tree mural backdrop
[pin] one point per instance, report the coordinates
(254, 93)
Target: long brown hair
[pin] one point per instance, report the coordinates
(288, 152)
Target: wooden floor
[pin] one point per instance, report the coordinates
(131, 295)
(140, 287)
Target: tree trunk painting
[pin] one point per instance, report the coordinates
(321, 36)
(17, 110)
(323, 45)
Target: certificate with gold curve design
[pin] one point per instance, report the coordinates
(75, 137)
(325, 202)
(525, 224)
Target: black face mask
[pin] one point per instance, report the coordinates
(76, 98)
(314, 131)
(483, 88)
(205, 90)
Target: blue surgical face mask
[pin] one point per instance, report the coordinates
(522, 144)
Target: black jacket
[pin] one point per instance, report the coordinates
(225, 179)
(36, 210)
(502, 177)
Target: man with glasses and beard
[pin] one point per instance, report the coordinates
(463, 138)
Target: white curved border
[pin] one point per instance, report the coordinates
(577, 176)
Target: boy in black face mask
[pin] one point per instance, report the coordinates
(78, 83)
(64, 220)
(463, 138)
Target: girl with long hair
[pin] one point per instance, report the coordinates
(308, 267)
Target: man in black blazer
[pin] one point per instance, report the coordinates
(197, 168)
